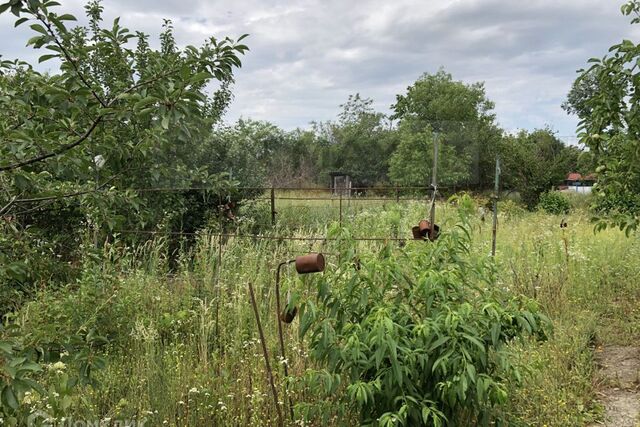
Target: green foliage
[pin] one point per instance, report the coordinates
(532, 163)
(418, 336)
(611, 129)
(359, 143)
(114, 116)
(462, 116)
(17, 370)
(411, 163)
(554, 202)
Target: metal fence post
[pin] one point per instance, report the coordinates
(434, 186)
(273, 206)
(340, 208)
(496, 189)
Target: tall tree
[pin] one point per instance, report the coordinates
(611, 128)
(462, 117)
(112, 117)
(535, 162)
(358, 143)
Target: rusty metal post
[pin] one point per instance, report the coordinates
(496, 189)
(273, 206)
(266, 355)
(434, 186)
(340, 208)
(280, 334)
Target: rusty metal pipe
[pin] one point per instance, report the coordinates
(280, 334)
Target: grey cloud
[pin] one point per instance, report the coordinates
(307, 56)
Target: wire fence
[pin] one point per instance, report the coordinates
(340, 199)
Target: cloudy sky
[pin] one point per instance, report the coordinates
(307, 56)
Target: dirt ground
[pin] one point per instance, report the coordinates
(619, 378)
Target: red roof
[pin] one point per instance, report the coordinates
(574, 176)
(590, 177)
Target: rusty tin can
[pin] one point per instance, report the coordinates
(311, 263)
(287, 316)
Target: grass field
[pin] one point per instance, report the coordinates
(183, 347)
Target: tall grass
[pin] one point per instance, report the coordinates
(183, 346)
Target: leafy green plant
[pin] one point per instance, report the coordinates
(418, 336)
(554, 202)
(17, 367)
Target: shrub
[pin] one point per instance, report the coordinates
(554, 202)
(418, 336)
(511, 209)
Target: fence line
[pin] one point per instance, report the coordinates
(261, 237)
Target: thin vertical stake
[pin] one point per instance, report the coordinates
(266, 355)
(434, 186)
(496, 189)
(273, 206)
(340, 208)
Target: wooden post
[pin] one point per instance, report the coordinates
(265, 353)
(496, 189)
(273, 206)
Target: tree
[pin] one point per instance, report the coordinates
(535, 162)
(139, 112)
(114, 117)
(582, 90)
(462, 116)
(358, 143)
(611, 129)
(411, 164)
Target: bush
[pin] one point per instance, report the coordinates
(418, 336)
(554, 202)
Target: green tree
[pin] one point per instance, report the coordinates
(114, 116)
(411, 164)
(462, 116)
(535, 162)
(358, 143)
(582, 90)
(611, 129)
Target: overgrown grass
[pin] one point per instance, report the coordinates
(183, 346)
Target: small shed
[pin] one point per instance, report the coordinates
(575, 182)
(340, 184)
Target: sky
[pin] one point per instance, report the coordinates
(307, 57)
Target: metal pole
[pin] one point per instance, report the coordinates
(273, 206)
(280, 334)
(266, 355)
(340, 208)
(434, 186)
(496, 189)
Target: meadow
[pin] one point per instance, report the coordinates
(173, 340)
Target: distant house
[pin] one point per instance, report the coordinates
(575, 182)
(340, 183)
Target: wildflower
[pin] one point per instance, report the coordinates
(193, 390)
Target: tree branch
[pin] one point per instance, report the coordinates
(70, 60)
(56, 152)
(8, 205)
(88, 132)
